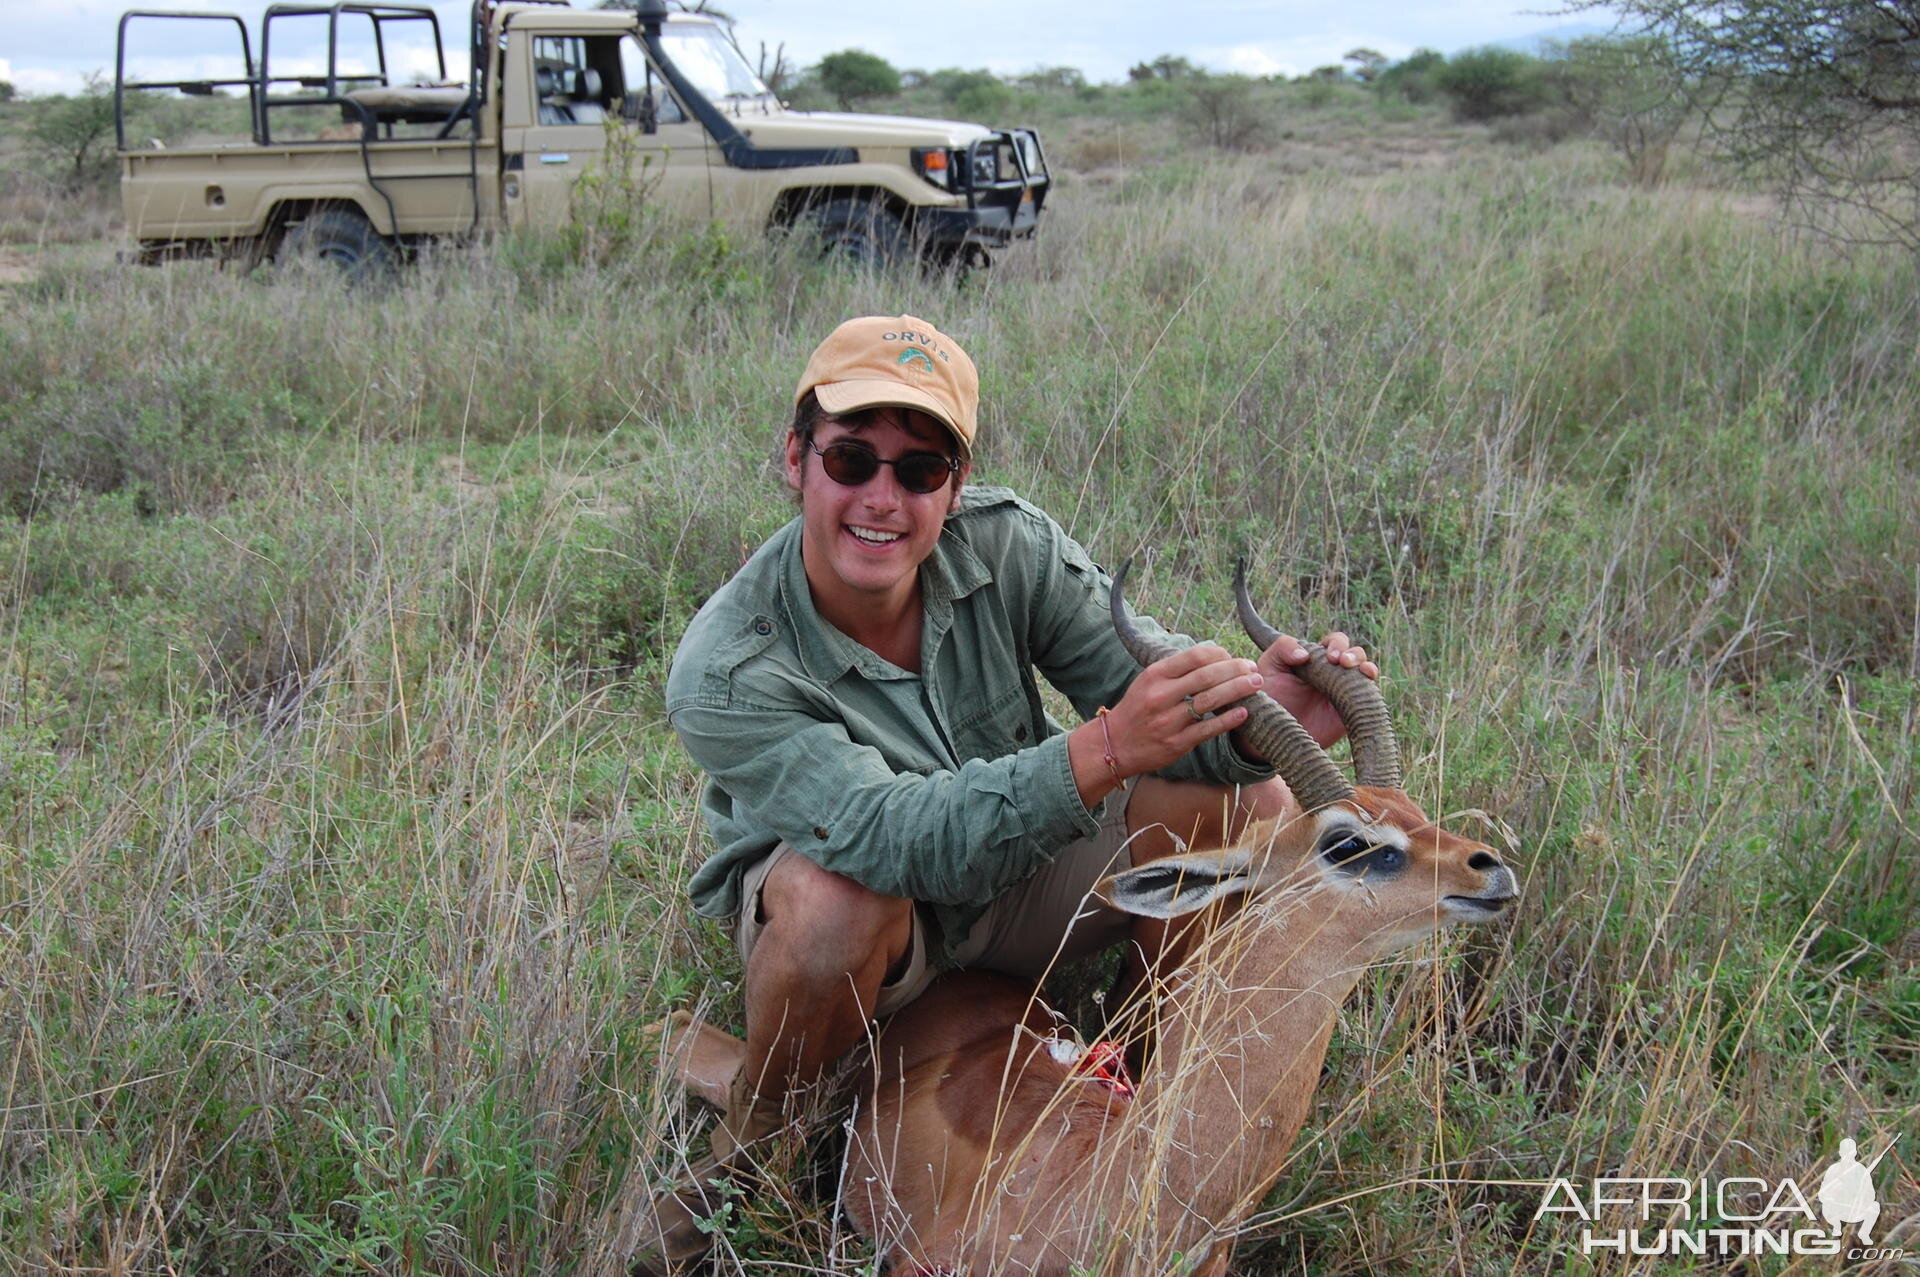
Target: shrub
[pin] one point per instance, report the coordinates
(1487, 83)
(1633, 92)
(985, 102)
(1220, 111)
(1414, 78)
(73, 136)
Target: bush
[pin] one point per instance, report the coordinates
(1633, 92)
(1487, 83)
(952, 83)
(1414, 79)
(1220, 111)
(985, 102)
(73, 136)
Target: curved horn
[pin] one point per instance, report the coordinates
(1269, 732)
(1139, 646)
(1263, 635)
(1376, 753)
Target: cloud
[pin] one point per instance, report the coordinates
(1251, 59)
(33, 80)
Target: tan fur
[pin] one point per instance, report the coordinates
(698, 1056)
(976, 1152)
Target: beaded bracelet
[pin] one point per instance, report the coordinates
(1113, 764)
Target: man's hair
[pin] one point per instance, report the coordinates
(807, 416)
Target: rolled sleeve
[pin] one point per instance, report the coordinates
(956, 837)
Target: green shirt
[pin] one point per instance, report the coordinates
(946, 786)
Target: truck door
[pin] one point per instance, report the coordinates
(565, 94)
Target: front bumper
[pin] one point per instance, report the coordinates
(1004, 180)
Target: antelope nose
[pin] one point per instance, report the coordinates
(1484, 861)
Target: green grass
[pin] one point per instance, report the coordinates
(342, 838)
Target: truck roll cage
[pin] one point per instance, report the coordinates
(381, 15)
(192, 88)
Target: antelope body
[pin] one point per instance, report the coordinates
(977, 1150)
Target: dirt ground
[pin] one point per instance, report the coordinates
(15, 267)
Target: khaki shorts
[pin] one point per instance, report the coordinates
(1047, 920)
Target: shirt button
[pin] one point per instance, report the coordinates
(820, 832)
(1020, 732)
(763, 627)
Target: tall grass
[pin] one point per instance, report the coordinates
(342, 838)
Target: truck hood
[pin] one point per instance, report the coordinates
(837, 128)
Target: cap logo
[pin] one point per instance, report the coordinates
(928, 339)
(912, 353)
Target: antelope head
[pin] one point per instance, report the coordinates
(1363, 846)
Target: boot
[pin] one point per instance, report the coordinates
(677, 1240)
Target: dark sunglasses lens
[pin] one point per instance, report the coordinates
(922, 472)
(847, 464)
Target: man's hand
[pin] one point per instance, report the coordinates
(1314, 711)
(1163, 716)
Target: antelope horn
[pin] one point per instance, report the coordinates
(1269, 732)
(1376, 754)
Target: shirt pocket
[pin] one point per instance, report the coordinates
(1002, 726)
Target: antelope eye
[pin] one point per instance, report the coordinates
(1339, 850)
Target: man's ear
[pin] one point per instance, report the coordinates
(958, 482)
(796, 458)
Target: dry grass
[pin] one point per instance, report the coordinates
(342, 838)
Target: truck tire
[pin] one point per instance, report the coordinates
(344, 240)
(863, 232)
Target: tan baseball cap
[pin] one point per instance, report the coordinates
(895, 361)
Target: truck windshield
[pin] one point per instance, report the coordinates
(716, 68)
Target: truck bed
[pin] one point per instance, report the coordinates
(227, 191)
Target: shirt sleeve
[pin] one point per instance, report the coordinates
(1075, 647)
(950, 837)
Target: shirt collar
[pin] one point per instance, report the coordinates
(951, 572)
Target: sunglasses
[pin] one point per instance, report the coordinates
(852, 464)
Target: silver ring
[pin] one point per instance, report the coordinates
(1193, 713)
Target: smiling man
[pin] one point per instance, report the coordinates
(883, 782)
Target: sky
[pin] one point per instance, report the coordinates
(49, 46)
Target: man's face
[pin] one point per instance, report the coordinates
(865, 544)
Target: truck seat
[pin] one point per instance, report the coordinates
(546, 89)
(415, 104)
(588, 105)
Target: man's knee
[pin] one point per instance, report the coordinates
(834, 919)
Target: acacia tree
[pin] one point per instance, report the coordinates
(73, 134)
(1631, 93)
(854, 75)
(1820, 96)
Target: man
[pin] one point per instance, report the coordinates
(882, 778)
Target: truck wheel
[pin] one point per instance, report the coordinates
(863, 232)
(343, 240)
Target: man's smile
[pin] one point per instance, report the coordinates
(874, 536)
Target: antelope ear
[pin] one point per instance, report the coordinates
(1179, 884)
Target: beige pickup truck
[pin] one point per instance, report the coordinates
(402, 165)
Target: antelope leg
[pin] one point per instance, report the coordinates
(702, 1058)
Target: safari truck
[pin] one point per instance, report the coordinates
(552, 93)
